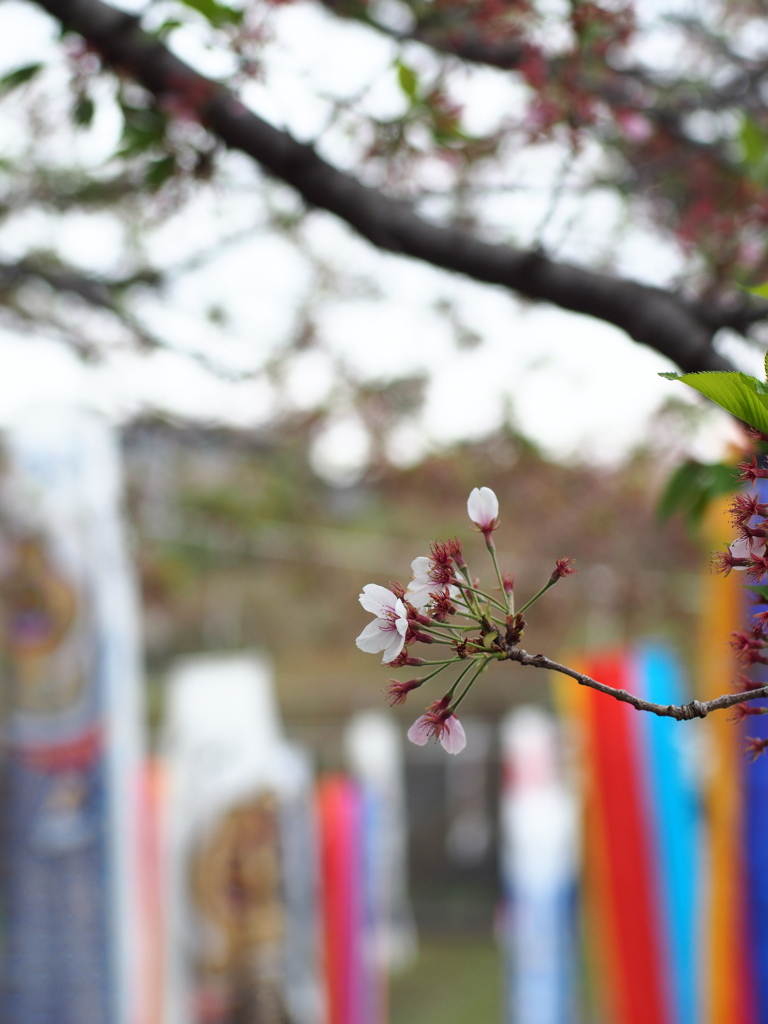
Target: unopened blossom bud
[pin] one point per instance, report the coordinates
(508, 579)
(483, 510)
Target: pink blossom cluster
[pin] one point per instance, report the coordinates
(423, 611)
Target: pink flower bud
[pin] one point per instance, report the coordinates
(483, 509)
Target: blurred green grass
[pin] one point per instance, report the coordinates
(453, 981)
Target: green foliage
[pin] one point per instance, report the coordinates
(83, 111)
(739, 394)
(754, 150)
(143, 129)
(215, 13)
(761, 589)
(691, 488)
(18, 77)
(408, 81)
(159, 171)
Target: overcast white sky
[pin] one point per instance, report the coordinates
(575, 385)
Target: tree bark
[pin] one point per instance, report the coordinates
(676, 328)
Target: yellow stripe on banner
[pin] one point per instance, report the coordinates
(723, 931)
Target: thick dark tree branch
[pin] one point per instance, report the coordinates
(649, 315)
(681, 712)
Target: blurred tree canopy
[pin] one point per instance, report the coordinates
(610, 120)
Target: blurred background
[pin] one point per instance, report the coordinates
(236, 388)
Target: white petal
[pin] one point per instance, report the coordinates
(744, 547)
(420, 568)
(419, 731)
(396, 642)
(420, 596)
(453, 739)
(374, 639)
(376, 599)
(402, 616)
(483, 507)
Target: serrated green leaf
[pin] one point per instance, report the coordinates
(670, 375)
(691, 487)
(408, 81)
(737, 393)
(761, 589)
(20, 76)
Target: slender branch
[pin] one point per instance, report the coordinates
(680, 712)
(652, 316)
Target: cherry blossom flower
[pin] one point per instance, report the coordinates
(447, 729)
(431, 576)
(387, 631)
(483, 509)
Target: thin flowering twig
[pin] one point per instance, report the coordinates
(419, 613)
(680, 712)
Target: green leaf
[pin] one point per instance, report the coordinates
(215, 13)
(761, 589)
(754, 149)
(18, 77)
(159, 171)
(691, 488)
(408, 81)
(84, 111)
(761, 290)
(737, 393)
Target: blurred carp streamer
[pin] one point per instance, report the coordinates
(71, 725)
(241, 852)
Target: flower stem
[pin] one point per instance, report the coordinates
(482, 593)
(470, 684)
(536, 597)
(458, 679)
(509, 606)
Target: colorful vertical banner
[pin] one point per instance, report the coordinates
(72, 729)
(755, 795)
(374, 753)
(668, 754)
(340, 814)
(539, 870)
(727, 982)
(236, 794)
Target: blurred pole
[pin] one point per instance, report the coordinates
(539, 865)
(72, 729)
